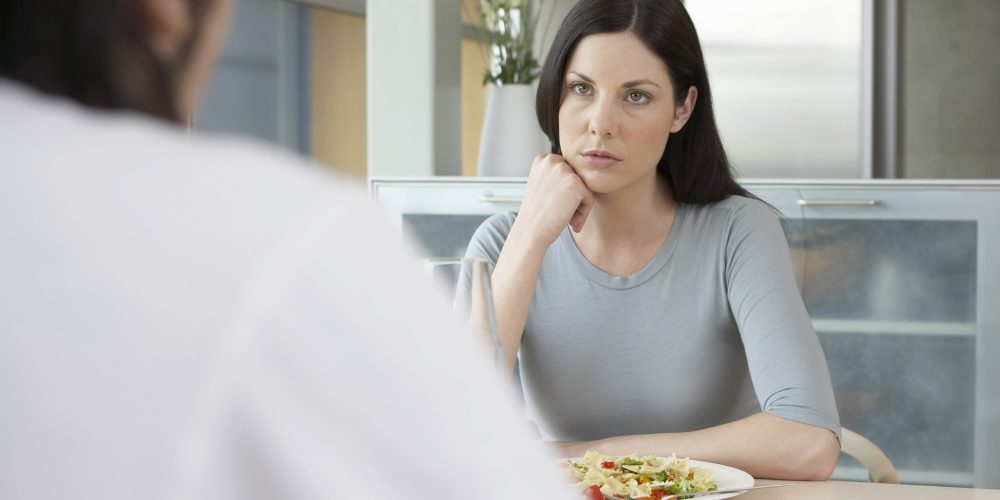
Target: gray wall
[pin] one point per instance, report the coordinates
(950, 89)
(260, 87)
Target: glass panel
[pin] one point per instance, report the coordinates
(443, 235)
(913, 396)
(786, 83)
(888, 270)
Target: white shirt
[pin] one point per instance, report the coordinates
(208, 319)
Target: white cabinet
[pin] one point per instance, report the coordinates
(901, 280)
(443, 212)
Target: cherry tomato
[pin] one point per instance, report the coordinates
(593, 493)
(658, 494)
(608, 464)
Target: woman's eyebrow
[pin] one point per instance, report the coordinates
(636, 83)
(632, 83)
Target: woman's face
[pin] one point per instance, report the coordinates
(617, 111)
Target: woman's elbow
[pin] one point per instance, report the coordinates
(820, 460)
(811, 455)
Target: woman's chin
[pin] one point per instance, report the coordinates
(599, 182)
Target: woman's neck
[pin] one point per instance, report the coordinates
(626, 229)
(636, 213)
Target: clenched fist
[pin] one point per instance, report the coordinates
(555, 196)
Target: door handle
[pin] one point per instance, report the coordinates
(839, 203)
(489, 198)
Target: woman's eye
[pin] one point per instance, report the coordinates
(638, 97)
(580, 88)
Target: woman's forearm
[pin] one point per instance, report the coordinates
(514, 279)
(763, 445)
(553, 197)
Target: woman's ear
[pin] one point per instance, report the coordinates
(167, 23)
(683, 112)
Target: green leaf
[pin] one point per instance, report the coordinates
(510, 31)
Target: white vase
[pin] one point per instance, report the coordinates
(511, 136)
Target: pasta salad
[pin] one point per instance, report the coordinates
(638, 477)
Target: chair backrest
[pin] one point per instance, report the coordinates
(880, 469)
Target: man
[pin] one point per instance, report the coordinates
(206, 319)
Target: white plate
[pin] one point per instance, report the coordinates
(726, 477)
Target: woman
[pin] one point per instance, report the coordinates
(186, 317)
(668, 320)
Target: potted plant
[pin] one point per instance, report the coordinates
(511, 137)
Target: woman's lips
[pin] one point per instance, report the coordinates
(599, 159)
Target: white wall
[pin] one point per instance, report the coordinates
(414, 87)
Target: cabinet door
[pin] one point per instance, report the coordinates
(891, 285)
(443, 214)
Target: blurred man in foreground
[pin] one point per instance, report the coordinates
(208, 319)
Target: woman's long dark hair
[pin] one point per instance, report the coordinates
(96, 52)
(694, 164)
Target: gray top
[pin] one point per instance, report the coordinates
(711, 330)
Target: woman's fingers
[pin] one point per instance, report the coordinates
(582, 211)
(555, 196)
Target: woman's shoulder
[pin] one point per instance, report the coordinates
(496, 227)
(489, 238)
(738, 210)
(737, 203)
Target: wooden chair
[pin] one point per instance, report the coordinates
(880, 469)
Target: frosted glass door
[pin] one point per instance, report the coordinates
(890, 281)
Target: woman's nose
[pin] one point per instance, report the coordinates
(603, 120)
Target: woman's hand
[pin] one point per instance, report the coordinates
(555, 196)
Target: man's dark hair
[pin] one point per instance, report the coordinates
(96, 52)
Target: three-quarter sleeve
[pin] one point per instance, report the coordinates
(786, 362)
